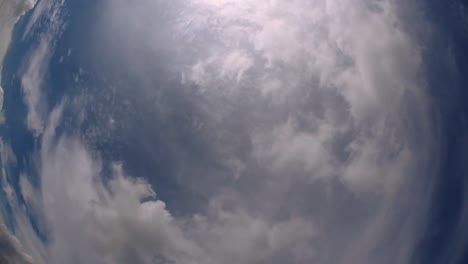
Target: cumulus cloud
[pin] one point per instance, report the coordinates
(92, 221)
(320, 101)
(121, 220)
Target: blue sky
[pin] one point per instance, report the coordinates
(221, 131)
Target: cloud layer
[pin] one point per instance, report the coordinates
(303, 127)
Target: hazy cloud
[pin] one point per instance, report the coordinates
(324, 128)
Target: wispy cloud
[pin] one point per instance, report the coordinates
(317, 109)
(10, 11)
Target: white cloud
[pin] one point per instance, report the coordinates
(312, 105)
(10, 11)
(235, 65)
(238, 237)
(115, 226)
(37, 66)
(287, 149)
(10, 249)
(120, 221)
(31, 83)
